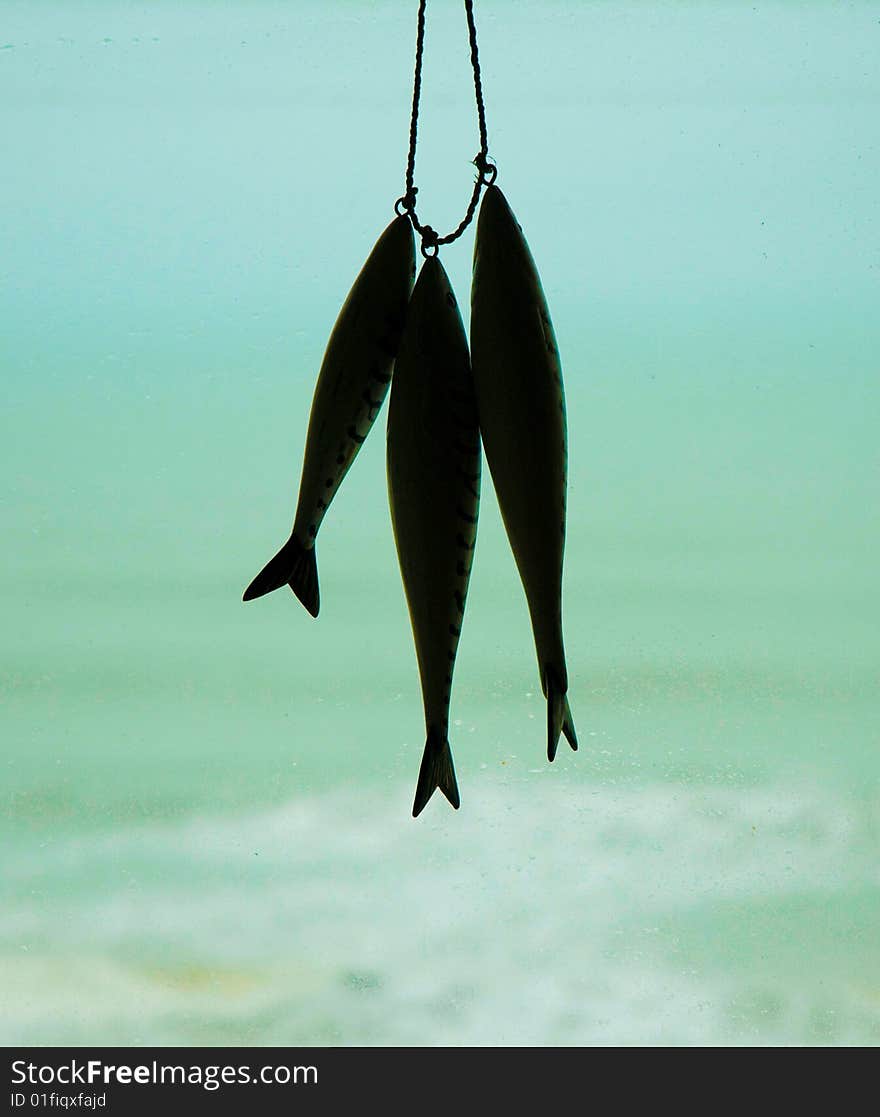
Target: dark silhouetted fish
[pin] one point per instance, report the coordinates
(351, 388)
(434, 492)
(521, 406)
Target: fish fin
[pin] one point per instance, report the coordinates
(304, 580)
(559, 719)
(295, 566)
(568, 730)
(436, 771)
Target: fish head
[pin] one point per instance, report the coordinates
(433, 316)
(432, 294)
(395, 248)
(499, 235)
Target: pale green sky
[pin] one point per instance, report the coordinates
(191, 160)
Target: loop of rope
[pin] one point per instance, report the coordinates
(486, 171)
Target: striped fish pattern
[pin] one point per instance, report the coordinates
(433, 463)
(521, 406)
(352, 384)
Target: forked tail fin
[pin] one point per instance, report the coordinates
(295, 566)
(436, 771)
(559, 719)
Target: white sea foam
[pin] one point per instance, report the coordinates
(540, 913)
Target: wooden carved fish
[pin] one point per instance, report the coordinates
(434, 492)
(351, 388)
(521, 406)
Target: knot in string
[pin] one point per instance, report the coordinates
(430, 240)
(486, 171)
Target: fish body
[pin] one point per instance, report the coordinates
(352, 385)
(521, 406)
(433, 460)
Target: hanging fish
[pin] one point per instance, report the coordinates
(521, 405)
(434, 492)
(351, 388)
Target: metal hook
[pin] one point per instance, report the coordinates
(406, 203)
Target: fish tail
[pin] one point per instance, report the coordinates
(436, 771)
(295, 566)
(559, 719)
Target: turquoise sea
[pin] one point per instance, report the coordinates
(206, 831)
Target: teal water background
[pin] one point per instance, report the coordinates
(205, 826)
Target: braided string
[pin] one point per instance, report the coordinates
(486, 171)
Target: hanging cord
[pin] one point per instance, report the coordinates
(486, 171)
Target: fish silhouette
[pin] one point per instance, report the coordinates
(433, 459)
(352, 385)
(521, 407)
